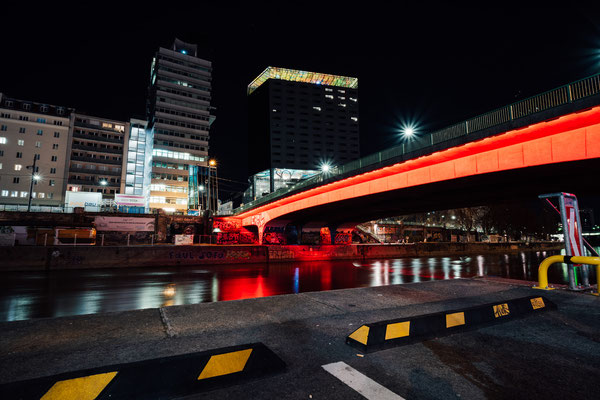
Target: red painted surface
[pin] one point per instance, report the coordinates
(571, 137)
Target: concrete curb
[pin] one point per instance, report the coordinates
(397, 332)
(166, 377)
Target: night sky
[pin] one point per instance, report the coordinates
(434, 65)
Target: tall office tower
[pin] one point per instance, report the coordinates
(299, 121)
(179, 115)
(97, 155)
(138, 166)
(28, 130)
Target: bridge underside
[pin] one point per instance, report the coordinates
(579, 177)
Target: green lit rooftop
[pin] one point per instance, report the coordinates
(302, 76)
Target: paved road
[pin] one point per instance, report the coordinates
(554, 354)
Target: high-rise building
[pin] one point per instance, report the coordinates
(27, 130)
(97, 155)
(179, 115)
(138, 166)
(299, 121)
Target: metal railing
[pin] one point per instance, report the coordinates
(562, 95)
(66, 210)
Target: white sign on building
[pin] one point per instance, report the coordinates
(130, 200)
(90, 201)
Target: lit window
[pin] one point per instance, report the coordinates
(0, 165)
(354, 119)
(353, 99)
(328, 90)
(24, 194)
(341, 91)
(342, 105)
(14, 193)
(106, 125)
(329, 96)
(51, 182)
(18, 167)
(5, 193)
(317, 108)
(41, 195)
(2, 140)
(21, 142)
(342, 97)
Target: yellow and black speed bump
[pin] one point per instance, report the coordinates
(398, 332)
(161, 378)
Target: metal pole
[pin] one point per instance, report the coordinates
(216, 191)
(102, 240)
(75, 240)
(584, 268)
(152, 240)
(45, 239)
(31, 183)
(563, 214)
(128, 239)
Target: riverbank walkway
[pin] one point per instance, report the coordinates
(551, 354)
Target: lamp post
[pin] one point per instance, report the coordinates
(212, 163)
(34, 177)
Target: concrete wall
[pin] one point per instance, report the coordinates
(67, 257)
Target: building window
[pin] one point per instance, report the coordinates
(41, 120)
(21, 130)
(21, 142)
(26, 106)
(50, 195)
(14, 193)
(1, 153)
(38, 144)
(24, 194)
(52, 170)
(0, 165)
(54, 146)
(5, 193)
(3, 128)
(18, 167)
(51, 182)
(54, 158)
(40, 132)
(16, 180)
(41, 195)
(19, 154)
(2, 140)
(37, 157)
(56, 134)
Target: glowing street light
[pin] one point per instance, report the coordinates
(325, 167)
(408, 131)
(37, 177)
(212, 162)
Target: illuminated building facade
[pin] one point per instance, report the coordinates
(27, 130)
(96, 155)
(298, 122)
(138, 169)
(179, 115)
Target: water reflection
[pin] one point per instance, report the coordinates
(26, 295)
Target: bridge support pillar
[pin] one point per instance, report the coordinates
(332, 232)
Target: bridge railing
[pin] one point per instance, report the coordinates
(562, 95)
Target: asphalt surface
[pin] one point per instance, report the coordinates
(554, 354)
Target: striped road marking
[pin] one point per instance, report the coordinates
(359, 382)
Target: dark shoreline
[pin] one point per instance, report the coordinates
(21, 258)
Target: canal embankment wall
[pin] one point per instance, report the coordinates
(75, 257)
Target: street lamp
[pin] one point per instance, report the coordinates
(104, 182)
(408, 131)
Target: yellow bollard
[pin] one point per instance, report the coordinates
(543, 269)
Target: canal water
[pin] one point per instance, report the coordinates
(39, 294)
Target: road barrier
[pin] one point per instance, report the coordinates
(543, 269)
(398, 332)
(152, 379)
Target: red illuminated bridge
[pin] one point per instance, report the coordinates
(547, 143)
